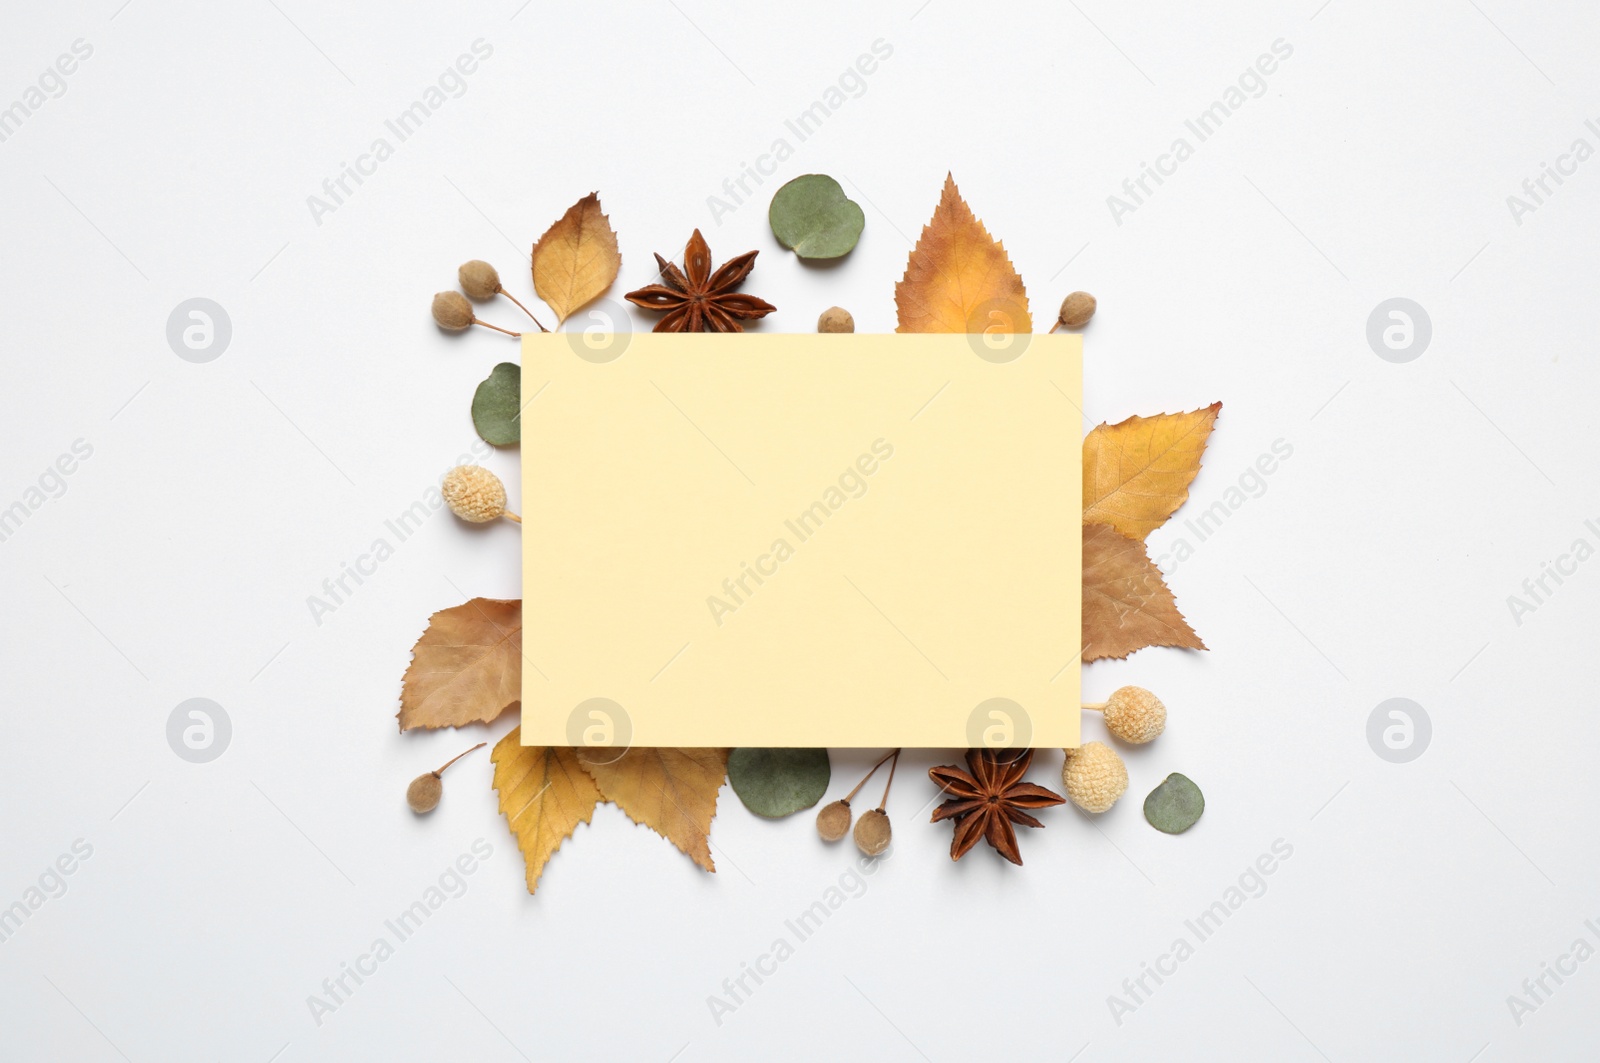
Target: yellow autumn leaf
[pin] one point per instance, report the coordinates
(466, 667)
(959, 278)
(576, 259)
(1126, 604)
(544, 795)
(1137, 473)
(671, 791)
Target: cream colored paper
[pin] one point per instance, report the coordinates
(801, 540)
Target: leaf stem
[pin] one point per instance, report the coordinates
(458, 756)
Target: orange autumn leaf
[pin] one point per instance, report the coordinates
(671, 791)
(466, 667)
(577, 258)
(1126, 604)
(1137, 473)
(959, 278)
(544, 795)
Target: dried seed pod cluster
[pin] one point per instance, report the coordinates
(475, 494)
(1134, 715)
(1094, 776)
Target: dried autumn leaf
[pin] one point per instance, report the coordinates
(671, 791)
(544, 795)
(1126, 604)
(576, 259)
(959, 278)
(1137, 473)
(467, 667)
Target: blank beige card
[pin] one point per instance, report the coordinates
(817, 540)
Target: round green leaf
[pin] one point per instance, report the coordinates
(812, 215)
(496, 404)
(1174, 806)
(777, 782)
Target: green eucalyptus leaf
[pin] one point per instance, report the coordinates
(1175, 805)
(777, 782)
(496, 403)
(813, 216)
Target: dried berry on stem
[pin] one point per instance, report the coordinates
(833, 822)
(452, 312)
(425, 790)
(481, 281)
(873, 833)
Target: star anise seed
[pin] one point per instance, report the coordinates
(987, 798)
(697, 300)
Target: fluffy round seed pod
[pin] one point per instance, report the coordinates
(872, 832)
(1094, 776)
(1077, 309)
(424, 792)
(474, 493)
(479, 279)
(452, 311)
(833, 822)
(1135, 715)
(836, 319)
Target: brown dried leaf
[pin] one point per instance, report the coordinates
(466, 668)
(671, 791)
(544, 795)
(959, 278)
(1126, 604)
(577, 258)
(1137, 473)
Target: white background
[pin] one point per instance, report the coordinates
(1376, 564)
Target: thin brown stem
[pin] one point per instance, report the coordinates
(851, 795)
(458, 756)
(497, 328)
(1055, 326)
(525, 310)
(892, 765)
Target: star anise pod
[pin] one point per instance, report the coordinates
(988, 798)
(698, 300)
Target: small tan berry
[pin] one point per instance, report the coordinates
(474, 493)
(836, 319)
(479, 279)
(1135, 715)
(833, 822)
(1077, 309)
(1094, 776)
(424, 792)
(452, 311)
(872, 832)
